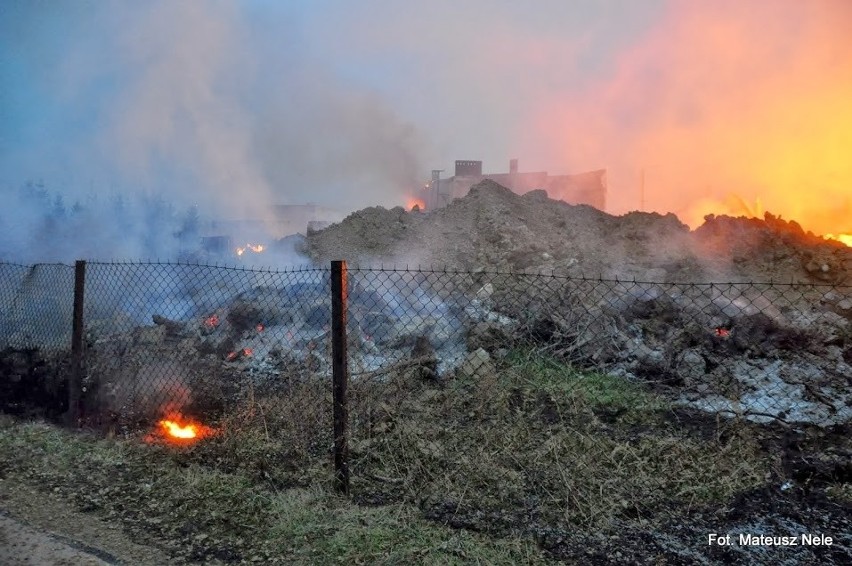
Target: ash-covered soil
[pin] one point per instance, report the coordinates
(494, 228)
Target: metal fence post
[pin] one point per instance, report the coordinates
(340, 374)
(75, 380)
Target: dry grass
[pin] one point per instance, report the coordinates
(200, 514)
(532, 439)
(539, 439)
(534, 445)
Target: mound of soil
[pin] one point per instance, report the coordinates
(495, 228)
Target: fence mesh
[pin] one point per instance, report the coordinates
(492, 399)
(37, 303)
(180, 338)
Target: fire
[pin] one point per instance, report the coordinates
(256, 248)
(765, 114)
(732, 205)
(245, 352)
(723, 332)
(212, 321)
(735, 205)
(842, 238)
(176, 428)
(414, 201)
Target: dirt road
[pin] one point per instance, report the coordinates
(40, 530)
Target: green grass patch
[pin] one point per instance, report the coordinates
(593, 390)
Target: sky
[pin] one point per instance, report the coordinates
(722, 106)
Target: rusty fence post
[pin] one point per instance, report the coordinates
(340, 374)
(75, 380)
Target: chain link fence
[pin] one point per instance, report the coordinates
(492, 399)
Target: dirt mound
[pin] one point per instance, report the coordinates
(495, 228)
(774, 249)
(373, 232)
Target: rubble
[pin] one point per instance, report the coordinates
(760, 351)
(734, 350)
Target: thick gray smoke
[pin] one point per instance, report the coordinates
(38, 225)
(236, 106)
(140, 112)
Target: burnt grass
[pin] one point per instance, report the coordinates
(592, 469)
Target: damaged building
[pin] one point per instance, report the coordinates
(581, 188)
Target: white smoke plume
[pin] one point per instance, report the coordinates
(174, 106)
(236, 106)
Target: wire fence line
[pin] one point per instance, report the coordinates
(164, 338)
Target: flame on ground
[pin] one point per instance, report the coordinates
(245, 352)
(178, 429)
(256, 248)
(414, 201)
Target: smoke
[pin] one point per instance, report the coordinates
(232, 107)
(721, 104)
(41, 226)
(191, 105)
(727, 107)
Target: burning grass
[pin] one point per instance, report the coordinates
(535, 439)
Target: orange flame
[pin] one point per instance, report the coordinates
(256, 248)
(842, 238)
(212, 321)
(414, 201)
(245, 352)
(736, 206)
(177, 429)
(769, 117)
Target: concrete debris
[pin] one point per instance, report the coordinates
(477, 364)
